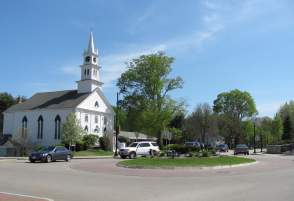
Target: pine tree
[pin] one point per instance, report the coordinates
(287, 128)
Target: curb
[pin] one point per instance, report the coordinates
(92, 157)
(231, 166)
(182, 168)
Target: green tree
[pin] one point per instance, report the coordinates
(72, 132)
(277, 129)
(201, 123)
(235, 106)
(287, 128)
(145, 87)
(286, 113)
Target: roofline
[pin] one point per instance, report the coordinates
(102, 97)
(38, 109)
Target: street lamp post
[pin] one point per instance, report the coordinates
(254, 135)
(261, 143)
(116, 126)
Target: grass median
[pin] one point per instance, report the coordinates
(184, 162)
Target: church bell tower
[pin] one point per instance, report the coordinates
(90, 76)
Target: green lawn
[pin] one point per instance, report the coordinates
(93, 152)
(184, 162)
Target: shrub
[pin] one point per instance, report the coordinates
(205, 153)
(89, 140)
(104, 142)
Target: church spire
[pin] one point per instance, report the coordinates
(91, 47)
(90, 75)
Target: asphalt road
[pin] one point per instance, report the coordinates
(271, 179)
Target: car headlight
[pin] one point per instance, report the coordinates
(45, 154)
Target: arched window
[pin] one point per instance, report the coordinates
(85, 72)
(40, 127)
(96, 104)
(24, 126)
(88, 72)
(96, 130)
(105, 120)
(57, 127)
(86, 128)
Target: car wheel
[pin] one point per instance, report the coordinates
(123, 157)
(48, 159)
(132, 155)
(32, 161)
(68, 158)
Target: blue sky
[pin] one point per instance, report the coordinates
(219, 45)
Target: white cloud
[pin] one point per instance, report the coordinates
(269, 109)
(71, 70)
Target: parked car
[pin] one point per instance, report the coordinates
(144, 148)
(193, 144)
(222, 148)
(51, 153)
(241, 149)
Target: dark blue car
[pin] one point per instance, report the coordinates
(51, 153)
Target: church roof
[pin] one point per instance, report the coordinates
(51, 100)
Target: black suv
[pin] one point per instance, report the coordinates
(51, 153)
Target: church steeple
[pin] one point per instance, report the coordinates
(91, 47)
(90, 76)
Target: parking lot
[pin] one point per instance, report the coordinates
(100, 179)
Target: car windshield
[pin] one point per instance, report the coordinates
(133, 144)
(154, 144)
(50, 148)
(241, 146)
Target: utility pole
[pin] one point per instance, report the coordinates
(254, 135)
(116, 125)
(261, 143)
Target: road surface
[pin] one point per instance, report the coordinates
(271, 179)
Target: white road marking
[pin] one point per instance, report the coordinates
(29, 196)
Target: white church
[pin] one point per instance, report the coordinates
(40, 118)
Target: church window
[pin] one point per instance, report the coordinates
(88, 59)
(57, 127)
(40, 127)
(24, 126)
(94, 59)
(88, 72)
(105, 120)
(85, 72)
(86, 128)
(96, 119)
(96, 104)
(96, 130)
(86, 118)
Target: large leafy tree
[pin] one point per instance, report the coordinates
(145, 87)
(235, 106)
(72, 132)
